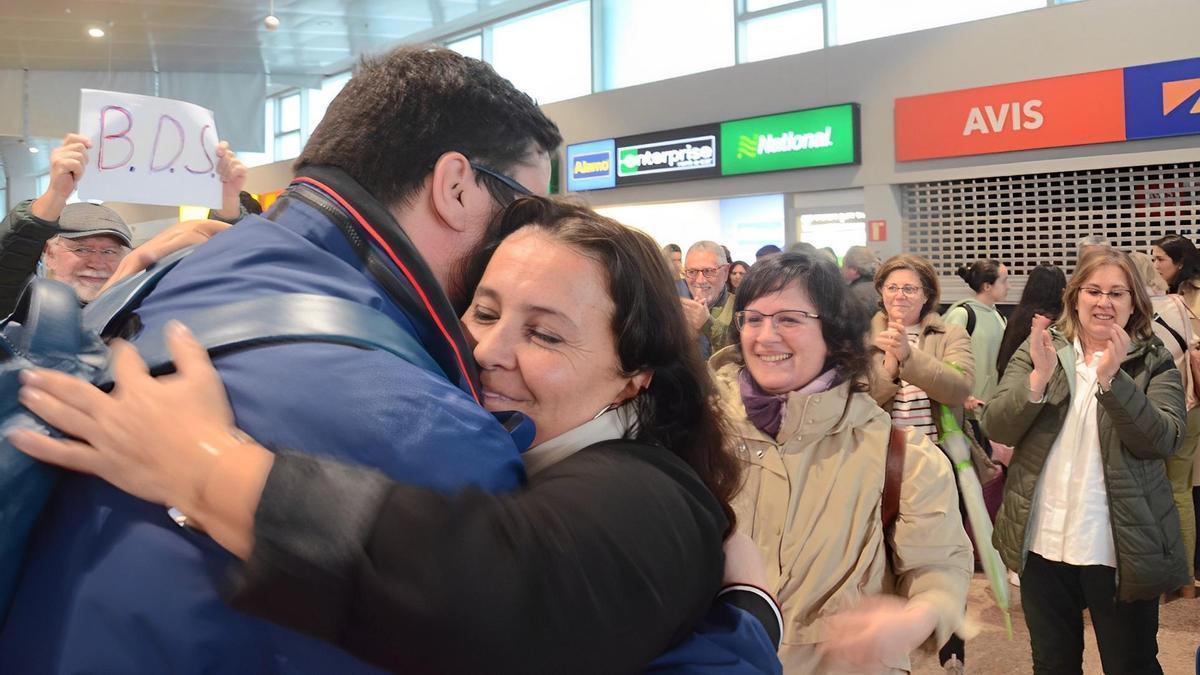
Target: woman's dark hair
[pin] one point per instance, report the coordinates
(1182, 252)
(980, 272)
(678, 410)
(1043, 295)
(404, 109)
(843, 323)
(732, 266)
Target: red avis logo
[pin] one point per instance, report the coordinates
(1013, 116)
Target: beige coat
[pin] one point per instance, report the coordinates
(942, 365)
(811, 500)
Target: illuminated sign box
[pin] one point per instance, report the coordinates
(679, 154)
(1107, 106)
(591, 166)
(796, 140)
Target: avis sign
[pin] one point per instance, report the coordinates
(148, 150)
(1150, 101)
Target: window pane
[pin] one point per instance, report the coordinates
(319, 99)
(757, 5)
(649, 41)
(867, 19)
(469, 46)
(287, 146)
(548, 54)
(790, 32)
(289, 112)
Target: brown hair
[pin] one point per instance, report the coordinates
(920, 267)
(1139, 327)
(678, 410)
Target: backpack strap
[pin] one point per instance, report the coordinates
(893, 475)
(107, 313)
(966, 307)
(289, 317)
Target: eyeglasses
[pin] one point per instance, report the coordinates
(908, 291)
(88, 252)
(786, 321)
(508, 181)
(1116, 294)
(708, 272)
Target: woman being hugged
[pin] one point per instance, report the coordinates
(1092, 407)
(814, 448)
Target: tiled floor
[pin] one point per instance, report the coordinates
(992, 652)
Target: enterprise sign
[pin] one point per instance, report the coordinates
(680, 154)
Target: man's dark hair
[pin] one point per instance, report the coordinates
(843, 324)
(403, 110)
(678, 409)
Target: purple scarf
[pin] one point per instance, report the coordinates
(765, 410)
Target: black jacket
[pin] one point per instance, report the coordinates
(23, 236)
(613, 553)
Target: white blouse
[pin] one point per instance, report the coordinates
(1070, 520)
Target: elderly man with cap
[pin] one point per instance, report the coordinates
(82, 244)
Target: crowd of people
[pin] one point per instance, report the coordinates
(608, 457)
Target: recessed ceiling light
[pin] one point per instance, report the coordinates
(96, 32)
(33, 149)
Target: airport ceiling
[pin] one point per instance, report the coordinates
(314, 36)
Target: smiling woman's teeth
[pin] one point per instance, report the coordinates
(776, 357)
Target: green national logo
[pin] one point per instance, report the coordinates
(807, 138)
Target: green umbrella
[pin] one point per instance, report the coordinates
(958, 447)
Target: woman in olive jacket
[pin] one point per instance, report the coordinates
(1092, 408)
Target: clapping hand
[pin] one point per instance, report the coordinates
(1113, 354)
(1041, 351)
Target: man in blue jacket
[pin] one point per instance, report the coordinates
(396, 186)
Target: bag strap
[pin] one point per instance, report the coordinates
(893, 475)
(1174, 333)
(107, 313)
(282, 318)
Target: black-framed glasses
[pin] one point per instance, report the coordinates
(784, 321)
(508, 181)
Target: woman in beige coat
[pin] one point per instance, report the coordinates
(855, 595)
(919, 363)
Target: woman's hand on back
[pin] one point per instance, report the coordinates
(175, 238)
(156, 438)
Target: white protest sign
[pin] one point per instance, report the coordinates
(148, 150)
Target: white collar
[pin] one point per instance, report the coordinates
(608, 426)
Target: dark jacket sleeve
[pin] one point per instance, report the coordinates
(22, 238)
(606, 560)
(242, 213)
